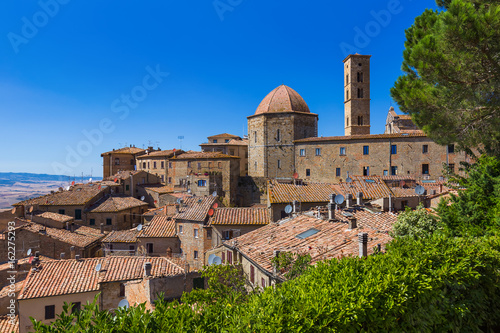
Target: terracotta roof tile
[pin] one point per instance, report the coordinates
(6, 325)
(204, 154)
(161, 226)
(240, 216)
(361, 137)
(160, 189)
(81, 237)
(162, 153)
(56, 217)
(400, 192)
(122, 236)
(223, 135)
(116, 204)
(372, 187)
(333, 240)
(312, 192)
(195, 208)
(125, 150)
(62, 277)
(78, 195)
(282, 99)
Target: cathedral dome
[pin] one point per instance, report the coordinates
(282, 99)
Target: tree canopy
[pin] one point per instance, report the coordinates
(451, 81)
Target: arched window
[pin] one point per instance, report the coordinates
(360, 93)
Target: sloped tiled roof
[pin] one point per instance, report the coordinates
(240, 216)
(204, 155)
(361, 137)
(6, 325)
(56, 217)
(313, 192)
(122, 236)
(161, 226)
(161, 153)
(400, 192)
(372, 187)
(116, 204)
(282, 99)
(78, 195)
(123, 174)
(223, 135)
(125, 150)
(62, 277)
(195, 208)
(160, 189)
(332, 240)
(81, 237)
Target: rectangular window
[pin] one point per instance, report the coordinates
(337, 172)
(170, 180)
(223, 256)
(209, 233)
(425, 169)
(170, 165)
(149, 248)
(230, 257)
(127, 187)
(425, 149)
(195, 233)
(180, 229)
(342, 150)
(202, 182)
(451, 149)
(451, 166)
(154, 165)
(162, 178)
(366, 171)
(394, 149)
(62, 211)
(231, 152)
(386, 172)
(308, 172)
(92, 222)
(148, 165)
(366, 150)
(144, 165)
(122, 290)
(252, 274)
(394, 170)
(163, 164)
(50, 311)
(75, 307)
(302, 152)
(199, 165)
(226, 141)
(279, 164)
(189, 164)
(78, 214)
(195, 255)
(109, 221)
(227, 234)
(255, 136)
(318, 151)
(263, 282)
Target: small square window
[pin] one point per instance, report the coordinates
(342, 151)
(451, 149)
(195, 233)
(226, 141)
(386, 172)
(202, 183)
(394, 170)
(366, 150)
(163, 164)
(109, 221)
(318, 151)
(195, 254)
(394, 149)
(122, 290)
(308, 172)
(451, 166)
(215, 140)
(337, 172)
(50, 311)
(92, 222)
(62, 211)
(425, 149)
(302, 152)
(154, 165)
(189, 164)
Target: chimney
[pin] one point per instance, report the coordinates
(295, 204)
(72, 252)
(331, 212)
(353, 223)
(348, 202)
(77, 257)
(332, 198)
(102, 228)
(147, 268)
(363, 244)
(390, 203)
(62, 255)
(360, 199)
(440, 188)
(177, 208)
(37, 254)
(276, 254)
(72, 227)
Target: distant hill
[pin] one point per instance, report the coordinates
(10, 178)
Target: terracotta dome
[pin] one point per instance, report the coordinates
(282, 99)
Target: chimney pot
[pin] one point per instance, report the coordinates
(147, 268)
(363, 244)
(331, 212)
(37, 254)
(332, 197)
(348, 201)
(360, 199)
(353, 223)
(77, 257)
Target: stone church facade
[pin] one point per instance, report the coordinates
(283, 139)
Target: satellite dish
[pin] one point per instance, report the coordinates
(216, 205)
(73, 182)
(123, 304)
(116, 180)
(178, 201)
(68, 187)
(288, 209)
(139, 227)
(31, 209)
(142, 198)
(214, 194)
(98, 267)
(210, 212)
(419, 190)
(211, 259)
(348, 180)
(295, 175)
(13, 211)
(29, 252)
(217, 261)
(189, 191)
(339, 199)
(90, 180)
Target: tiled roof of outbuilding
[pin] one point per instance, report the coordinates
(62, 277)
(122, 236)
(116, 204)
(56, 217)
(240, 216)
(125, 150)
(161, 153)
(78, 195)
(195, 208)
(6, 324)
(81, 237)
(312, 192)
(372, 187)
(161, 226)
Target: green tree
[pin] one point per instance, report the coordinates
(451, 85)
(417, 223)
(476, 208)
(291, 264)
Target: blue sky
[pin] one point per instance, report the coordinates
(78, 78)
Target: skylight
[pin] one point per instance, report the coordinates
(307, 233)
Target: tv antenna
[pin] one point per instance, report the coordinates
(180, 137)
